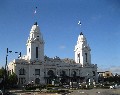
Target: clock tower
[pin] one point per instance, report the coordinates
(35, 44)
(82, 51)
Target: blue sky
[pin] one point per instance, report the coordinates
(58, 23)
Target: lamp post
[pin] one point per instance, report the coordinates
(5, 71)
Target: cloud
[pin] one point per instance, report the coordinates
(62, 47)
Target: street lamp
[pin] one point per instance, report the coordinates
(5, 72)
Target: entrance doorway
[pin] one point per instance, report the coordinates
(37, 81)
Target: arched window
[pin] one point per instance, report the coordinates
(37, 81)
(51, 73)
(22, 71)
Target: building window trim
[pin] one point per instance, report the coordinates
(37, 71)
(22, 71)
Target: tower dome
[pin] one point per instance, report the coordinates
(82, 51)
(35, 44)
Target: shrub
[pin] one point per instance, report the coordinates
(30, 88)
(50, 85)
(90, 87)
(52, 91)
(33, 87)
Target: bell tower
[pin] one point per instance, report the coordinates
(35, 44)
(82, 51)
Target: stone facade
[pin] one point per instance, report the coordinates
(39, 69)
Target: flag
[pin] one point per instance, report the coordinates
(79, 22)
(35, 10)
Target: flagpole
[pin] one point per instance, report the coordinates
(35, 16)
(79, 23)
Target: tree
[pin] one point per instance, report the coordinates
(2, 72)
(12, 79)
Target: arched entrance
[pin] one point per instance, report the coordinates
(37, 81)
(51, 75)
(64, 77)
(74, 76)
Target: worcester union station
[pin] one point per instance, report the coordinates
(36, 68)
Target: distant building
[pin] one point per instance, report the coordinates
(37, 68)
(105, 74)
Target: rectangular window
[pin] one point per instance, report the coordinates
(36, 52)
(86, 56)
(22, 71)
(29, 50)
(22, 80)
(79, 58)
(37, 71)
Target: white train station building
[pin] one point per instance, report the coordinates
(37, 68)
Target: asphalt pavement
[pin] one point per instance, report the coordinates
(76, 92)
(96, 92)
